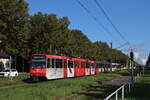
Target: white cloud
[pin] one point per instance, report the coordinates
(141, 61)
(136, 55)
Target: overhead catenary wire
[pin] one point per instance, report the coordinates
(122, 45)
(114, 27)
(94, 18)
(116, 39)
(110, 21)
(107, 17)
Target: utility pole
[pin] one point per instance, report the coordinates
(10, 62)
(111, 45)
(111, 58)
(132, 59)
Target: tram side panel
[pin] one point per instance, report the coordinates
(55, 68)
(82, 68)
(96, 68)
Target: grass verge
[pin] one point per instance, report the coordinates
(141, 88)
(83, 87)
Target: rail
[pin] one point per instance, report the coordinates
(122, 88)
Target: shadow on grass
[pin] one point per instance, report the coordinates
(98, 92)
(29, 80)
(141, 92)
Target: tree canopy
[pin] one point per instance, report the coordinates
(23, 35)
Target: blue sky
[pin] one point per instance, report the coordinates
(131, 17)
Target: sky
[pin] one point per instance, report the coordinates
(131, 17)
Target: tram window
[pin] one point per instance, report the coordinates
(52, 63)
(48, 63)
(76, 64)
(92, 65)
(70, 64)
(99, 65)
(82, 64)
(79, 64)
(96, 65)
(59, 63)
(87, 65)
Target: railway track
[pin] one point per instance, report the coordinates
(13, 85)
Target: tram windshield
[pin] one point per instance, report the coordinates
(38, 62)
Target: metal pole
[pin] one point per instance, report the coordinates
(129, 87)
(123, 92)
(111, 58)
(143, 70)
(132, 76)
(10, 60)
(117, 95)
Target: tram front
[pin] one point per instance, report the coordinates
(38, 66)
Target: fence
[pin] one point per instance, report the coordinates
(126, 86)
(122, 88)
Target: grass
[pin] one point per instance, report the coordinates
(125, 72)
(9, 81)
(84, 88)
(141, 88)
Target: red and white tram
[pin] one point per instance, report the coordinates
(55, 67)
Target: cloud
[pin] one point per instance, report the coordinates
(136, 55)
(141, 61)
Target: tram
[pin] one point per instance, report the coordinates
(56, 67)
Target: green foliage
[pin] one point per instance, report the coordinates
(48, 33)
(22, 35)
(13, 26)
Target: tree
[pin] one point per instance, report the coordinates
(14, 29)
(80, 44)
(13, 26)
(49, 34)
(22, 35)
(103, 51)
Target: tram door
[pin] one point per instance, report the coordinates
(54, 68)
(92, 69)
(50, 73)
(70, 68)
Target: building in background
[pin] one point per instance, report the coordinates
(4, 61)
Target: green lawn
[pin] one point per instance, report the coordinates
(141, 90)
(10, 81)
(81, 88)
